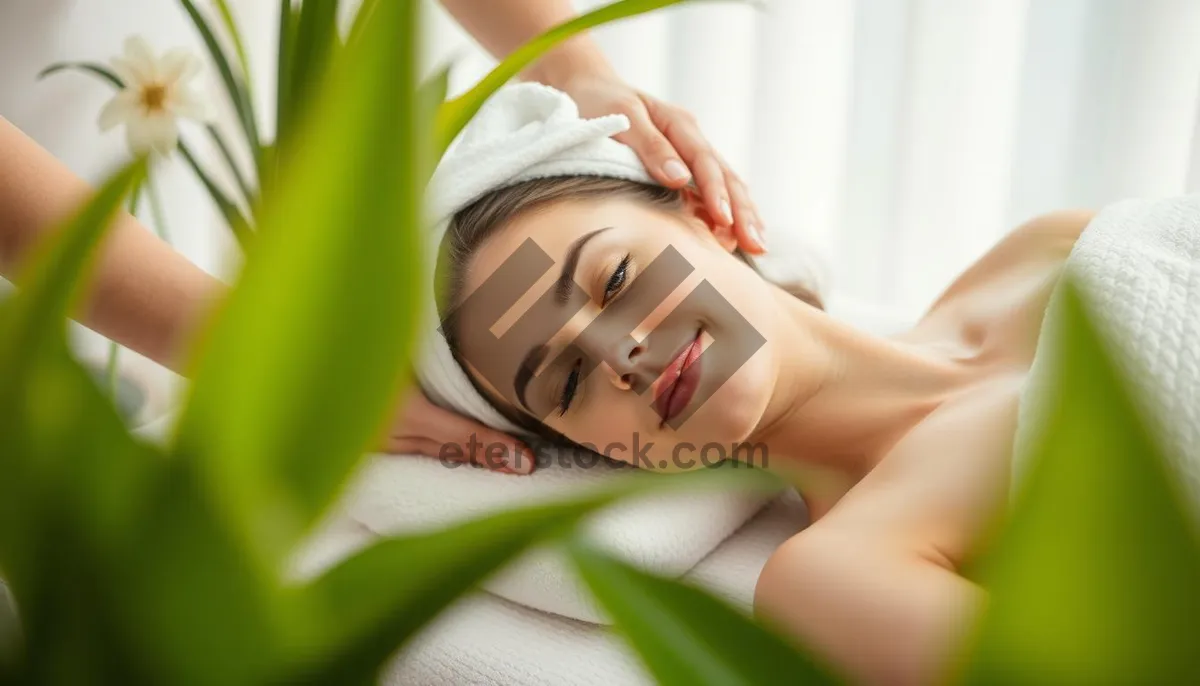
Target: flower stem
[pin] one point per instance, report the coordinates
(156, 209)
(114, 350)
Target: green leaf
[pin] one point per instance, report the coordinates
(430, 97)
(366, 10)
(686, 636)
(238, 224)
(227, 155)
(120, 568)
(95, 69)
(456, 113)
(1094, 579)
(235, 36)
(289, 18)
(49, 284)
(235, 86)
(283, 406)
(316, 42)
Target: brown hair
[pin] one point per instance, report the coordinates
(475, 223)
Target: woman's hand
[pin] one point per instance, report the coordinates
(425, 429)
(670, 144)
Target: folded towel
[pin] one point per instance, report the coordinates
(663, 533)
(1138, 263)
(483, 639)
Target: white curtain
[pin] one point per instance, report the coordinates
(899, 139)
(895, 139)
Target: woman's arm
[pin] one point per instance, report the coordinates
(149, 298)
(878, 616)
(143, 294)
(502, 26)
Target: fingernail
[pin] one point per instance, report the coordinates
(726, 213)
(676, 171)
(756, 235)
(519, 461)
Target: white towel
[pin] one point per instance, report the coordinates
(485, 640)
(1139, 265)
(663, 533)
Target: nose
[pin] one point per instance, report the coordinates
(618, 355)
(624, 365)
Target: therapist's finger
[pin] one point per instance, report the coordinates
(679, 126)
(746, 224)
(653, 149)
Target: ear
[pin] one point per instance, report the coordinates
(702, 220)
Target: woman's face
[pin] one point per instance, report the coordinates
(666, 367)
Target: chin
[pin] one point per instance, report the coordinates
(724, 421)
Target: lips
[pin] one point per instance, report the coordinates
(675, 388)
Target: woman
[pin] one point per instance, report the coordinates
(150, 299)
(899, 445)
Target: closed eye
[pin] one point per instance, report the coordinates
(569, 388)
(617, 281)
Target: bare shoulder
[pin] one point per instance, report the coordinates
(940, 485)
(1042, 242)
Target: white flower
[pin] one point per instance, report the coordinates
(155, 97)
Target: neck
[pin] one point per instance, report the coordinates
(845, 397)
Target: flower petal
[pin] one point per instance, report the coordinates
(186, 102)
(136, 135)
(163, 134)
(157, 134)
(139, 58)
(122, 107)
(127, 72)
(178, 65)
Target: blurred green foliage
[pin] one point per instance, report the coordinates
(134, 564)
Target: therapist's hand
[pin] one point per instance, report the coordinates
(422, 428)
(670, 144)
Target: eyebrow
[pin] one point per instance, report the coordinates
(566, 279)
(525, 371)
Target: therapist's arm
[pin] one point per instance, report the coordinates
(143, 295)
(665, 137)
(152, 300)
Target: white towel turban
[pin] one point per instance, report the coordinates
(525, 131)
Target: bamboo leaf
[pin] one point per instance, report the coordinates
(233, 216)
(90, 67)
(316, 42)
(456, 113)
(686, 636)
(235, 87)
(288, 19)
(1094, 577)
(234, 168)
(366, 10)
(235, 36)
(282, 407)
(430, 97)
